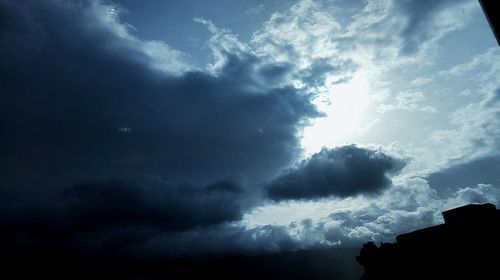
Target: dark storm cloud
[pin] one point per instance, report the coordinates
(112, 204)
(343, 171)
(166, 207)
(85, 111)
(81, 100)
(105, 227)
(132, 231)
(138, 254)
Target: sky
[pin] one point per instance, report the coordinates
(166, 129)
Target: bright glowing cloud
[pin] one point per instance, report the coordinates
(345, 106)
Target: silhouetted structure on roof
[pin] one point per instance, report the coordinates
(466, 246)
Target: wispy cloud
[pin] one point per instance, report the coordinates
(255, 10)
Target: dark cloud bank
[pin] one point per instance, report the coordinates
(110, 165)
(343, 171)
(79, 103)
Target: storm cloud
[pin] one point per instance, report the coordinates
(96, 106)
(343, 171)
(155, 203)
(118, 153)
(148, 204)
(110, 141)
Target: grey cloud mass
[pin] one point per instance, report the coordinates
(103, 149)
(342, 171)
(131, 207)
(117, 153)
(480, 171)
(71, 82)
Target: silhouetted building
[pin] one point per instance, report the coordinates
(466, 246)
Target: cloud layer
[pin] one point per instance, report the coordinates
(117, 213)
(115, 148)
(99, 108)
(344, 171)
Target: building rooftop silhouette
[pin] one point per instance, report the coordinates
(466, 246)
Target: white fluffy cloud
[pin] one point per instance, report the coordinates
(409, 205)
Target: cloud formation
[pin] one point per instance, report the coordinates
(116, 147)
(155, 203)
(89, 110)
(67, 123)
(139, 205)
(343, 171)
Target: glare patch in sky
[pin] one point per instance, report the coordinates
(345, 106)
